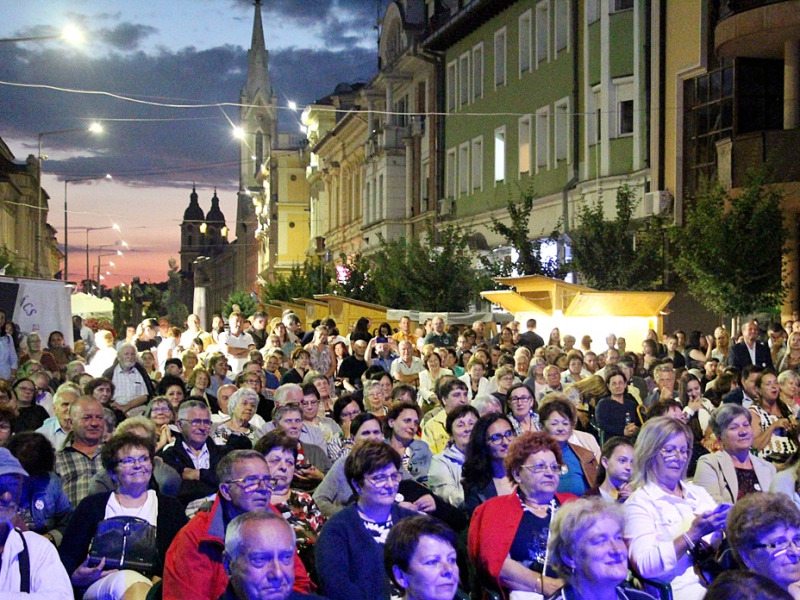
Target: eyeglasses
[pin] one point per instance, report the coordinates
(249, 484)
(160, 409)
(672, 451)
(497, 438)
(781, 547)
(350, 415)
(543, 468)
(520, 399)
(130, 461)
(309, 403)
(381, 480)
(198, 422)
(252, 380)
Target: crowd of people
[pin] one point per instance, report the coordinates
(260, 461)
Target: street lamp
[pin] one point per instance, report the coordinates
(66, 228)
(115, 227)
(101, 255)
(93, 128)
(69, 34)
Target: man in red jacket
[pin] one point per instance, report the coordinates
(194, 563)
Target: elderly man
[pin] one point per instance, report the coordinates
(194, 567)
(56, 428)
(193, 331)
(235, 343)
(194, 454)
(751, 351)
(384, 354)
(353, 367)
(132, 386)
(408, 367)
(438, 336)
(664, 376)
(268, 536)
(79, 458)
(30, 567)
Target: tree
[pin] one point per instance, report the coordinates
(125, 309)
(241, 298)
(359, 278)
(731, 248)
(177, 311)
(517, 235)
(303, 281)
(616, 254)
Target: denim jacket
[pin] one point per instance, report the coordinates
(47, 503)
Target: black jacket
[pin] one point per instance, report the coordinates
(175, 456)
(151, 388)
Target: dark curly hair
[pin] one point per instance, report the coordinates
(367, 457)
(108, 455)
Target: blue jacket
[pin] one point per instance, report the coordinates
(48, 503)
(350, 561)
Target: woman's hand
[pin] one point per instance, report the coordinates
(708, 522)
(695, 405)
(84, 575)
(551, 585)
(164, 437)
(425, 504)
(624, 490)
(630, 429)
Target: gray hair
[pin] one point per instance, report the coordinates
(313, 376)
(239, 395)
(786, 375)
(138, 421)
(649, 443)
(124, 346)
(110, 419)
(225, 466)
(233, 533)
(486, 403)
(67, 388)
(31, 336)
(283, 391)
(722, 417)
(570, 524)
(185, 407)
(369, 384)
(281, 409)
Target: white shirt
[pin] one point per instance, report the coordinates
(653, 519)
(243, 340)
(200, 461)
(127, 386)
(52, 430)
(147, 511)
(398, 366)
(49, 579)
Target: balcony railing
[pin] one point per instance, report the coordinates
(729, 8)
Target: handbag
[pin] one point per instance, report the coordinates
(125, 543)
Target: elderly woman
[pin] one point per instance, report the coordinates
(508, 535)
(574, 372)
(35, 352)
(401, 428)
(733, 472)
(199, 384)
(344, 410)
(484, 473)
(616, 414)
(242, 407)
(375, 399)
(420, 558)
(43, 505)
(298, 508)
(350, 548)
(474, 378)
(764, 533)
(31, 416)
(429, 378)
(444, 477)
(522, 409)
(579, 474)
(334, 493)
(312, 461)
(587, 551)
(772, 421)
(128, 459)
(790, 390)
(666, 517)
(160, 412)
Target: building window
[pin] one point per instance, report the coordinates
(500, 58)
(596, 123)
(477, 163)
(259, 152)
(622, 5)
(367, 212)
(450, 173)
(562, 129)
(562, 25)
(543, 138)
(451, 86)
(425, 189)
(463, 79)
(524, 126)
(463, 168)
(542, 32)
(500, 154)
(525, 32)
(626, 117)
(401, 110)
(380, 197)
(592, 11)
(623, 113)
(477, 71)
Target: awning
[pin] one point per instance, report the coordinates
(618, 304)
(86, 305)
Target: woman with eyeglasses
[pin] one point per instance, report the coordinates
(350, 548)
(128, 458)
(764, 534)
(666, 516)
(508, 535)
(242, 407)
(522, 409)
(484, 474)
(31, 416)
(401, 428)
(163, 416)
(298, 508)
(345, 409)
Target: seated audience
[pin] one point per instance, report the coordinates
(444, 477)
(400, 428)
(484, 474)
(79, 458)
(615, 470)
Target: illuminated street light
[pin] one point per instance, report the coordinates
(107, 176)
(292, 105)
(238, 133)
(70, 34)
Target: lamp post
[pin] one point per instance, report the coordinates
(99, 256)
(93, 128)
(66, 222)
(115, 227)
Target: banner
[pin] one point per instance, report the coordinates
(37, 305)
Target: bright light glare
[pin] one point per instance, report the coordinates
(111, 263)
(124, 244)
(96, 127)
(73, 35)
(119, 252)
(115, 227)
(108, 176)
(292, 105)
(238, 133)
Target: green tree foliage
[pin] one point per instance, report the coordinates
(241, 298)
(731, 249)
(616, 254)
(125, 309)
(517, 235)
(177, 311)
(407, 273)
(303, 281)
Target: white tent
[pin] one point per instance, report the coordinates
(87, 305)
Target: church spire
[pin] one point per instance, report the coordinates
(257, 60)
